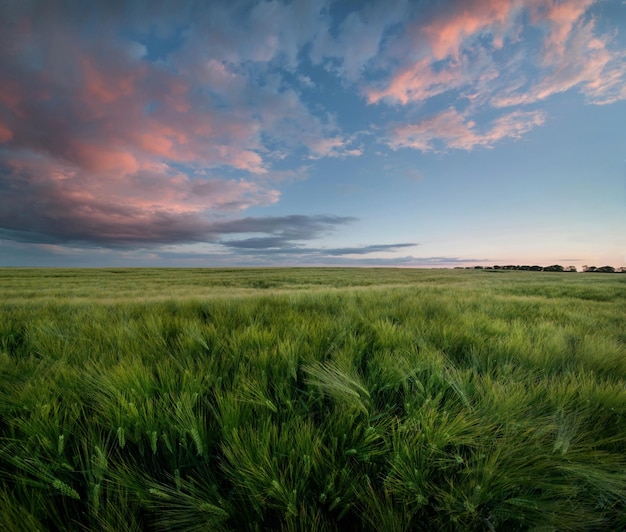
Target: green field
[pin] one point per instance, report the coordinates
(312, 399)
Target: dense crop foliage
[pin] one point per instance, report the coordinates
(312, 399)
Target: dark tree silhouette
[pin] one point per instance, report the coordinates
(554, 268)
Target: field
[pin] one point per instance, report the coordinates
(312, 399)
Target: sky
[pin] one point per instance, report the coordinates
(313, 132)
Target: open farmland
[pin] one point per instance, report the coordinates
(312, 399)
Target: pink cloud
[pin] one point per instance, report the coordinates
(114, 111)
(578, 57)
(157, 144)
(450, 52)
(5, 133)
(105, 126)
(460, 52)
(573, 56)
(103, 143)
(447, 32)
(562, 18)
(116, 114)
(104, 159)
(418, 82)
(94, 149)
(11, 96)
(332, 147)
(449, 36)
(155, 204)
(453, 130)
(513, 125)
(108, 87)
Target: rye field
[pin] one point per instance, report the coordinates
(312, 399)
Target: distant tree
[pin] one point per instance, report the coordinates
(621, 269)
(536, 268)
(496, 267)
(589, 268)
(571, 269)
(606, 269)
(478, 267)
(554, 268)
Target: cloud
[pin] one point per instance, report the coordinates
(103, 109)
(572, 56)
(284, 232)
(359, 38)
(285, 236)
(462, 47)
(333, 147)
(417, 82)
(281, 245)
(562, 18)
(126, 226)
(306, 81)
(261, 32)
(101, 142)
(453, 130)
(18, 254)
(414, 175)
(446, 50)
(5, 133)
(46, 200)
(364, 250)
(490, 53)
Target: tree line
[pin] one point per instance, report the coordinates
(552, 268)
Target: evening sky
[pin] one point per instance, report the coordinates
(408, 133)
